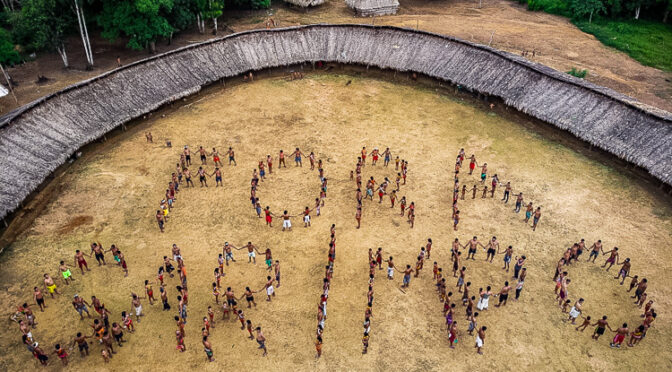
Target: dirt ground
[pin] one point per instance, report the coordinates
(557, 43)
(111, 193)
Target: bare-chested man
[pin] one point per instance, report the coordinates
(65, 272)
(535, 219)
(50, 286)
(492, 249)
(83, 346)
(98, 251)
(480, 339)
(407, 276)
(203, 155)
(503, 294)
(80, 306)
(80, 261)
(613, 258)
(218, 177)
(187, 155)
(269, 288)
(251, 255)
(473, 244)
(624, 271)
(297, 154)
(232, 156)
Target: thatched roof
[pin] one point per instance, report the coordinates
(367, 8)
(36, 138)
(305, 3)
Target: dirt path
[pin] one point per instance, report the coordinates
(557, 43)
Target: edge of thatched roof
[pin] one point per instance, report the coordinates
(38, 137)
(305, 3)
(550, 72)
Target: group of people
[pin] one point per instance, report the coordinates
(298, 162)
(229, 304)
(182, 172)
(530, 212)
(382, 188)
(326, 282)
(640, 286)
(105, 332)
(464, 287)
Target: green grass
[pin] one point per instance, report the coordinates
(647, 42)
(578, 73)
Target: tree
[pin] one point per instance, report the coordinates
(41, 25)
(8, 55)
(142, 21)
(210, 9)
(251, 4)
(582, 8)
(668, 9)
(182, 15)
(635, 6)
(84, 33)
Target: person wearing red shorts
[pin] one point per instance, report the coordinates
(453, 334)
(269, 216)
(374, 154)
(472, 164)
(620, 336)
(364, 156)
(80, 261)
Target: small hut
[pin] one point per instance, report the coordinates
(368, 8)
(305, 3)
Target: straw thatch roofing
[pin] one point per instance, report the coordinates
(305, 3)
(36, 138)
(367, 8)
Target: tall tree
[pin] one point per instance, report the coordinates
(142, 21)
(583, 8)
(41, 25)
(210, 9)
(83, 32)
(181, 16)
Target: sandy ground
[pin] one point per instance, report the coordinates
(557, 43)
(110, 195)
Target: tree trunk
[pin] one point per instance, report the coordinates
(64, 56)
(590, 19)
(88, 41)
(639, 7)
(480, 4)
(152, 47)
(200, 23)
(667, 13)
(214, 30)
(85, 36)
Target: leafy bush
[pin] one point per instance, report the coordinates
(260, 4)
(8, 55)
(578, 73)
(250, 4)
(559, 7)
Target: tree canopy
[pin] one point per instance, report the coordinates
(142, 21)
